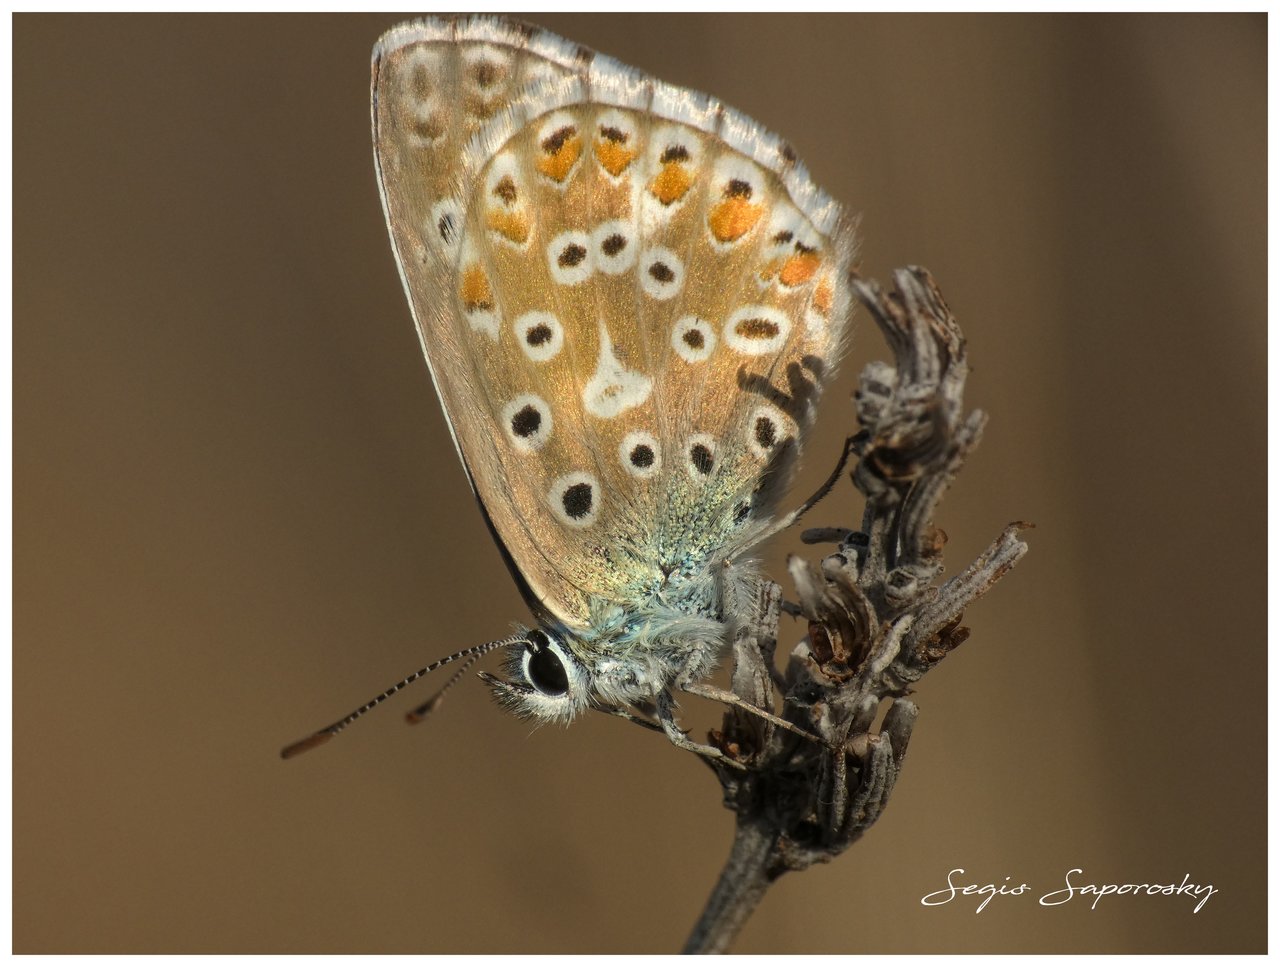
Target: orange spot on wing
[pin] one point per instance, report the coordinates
(475, 290)
(733, 218)
(770, 269)
(800, 268)
(671, 183)
(557, 164)
(823, 296)
(510, 225)
(614, 156)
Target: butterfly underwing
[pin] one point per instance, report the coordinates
(629, 297)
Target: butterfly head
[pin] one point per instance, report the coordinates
(545, 681)
(629, 656)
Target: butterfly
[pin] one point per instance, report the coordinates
(629, 297)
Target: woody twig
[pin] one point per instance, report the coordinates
(877, 621)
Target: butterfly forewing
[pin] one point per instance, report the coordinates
(435, 83)
(628, 295)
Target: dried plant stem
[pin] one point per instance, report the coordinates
(741, 887)
(877, 622)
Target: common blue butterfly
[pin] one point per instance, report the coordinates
(629, 297)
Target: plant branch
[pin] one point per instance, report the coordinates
(877, 621)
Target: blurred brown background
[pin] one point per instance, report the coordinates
(237, 514)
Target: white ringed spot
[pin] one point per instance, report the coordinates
(640, 454)
(757, 330)
(575, 499)
(527, 422)
(569, 257)
(540, 335)
(661, 272)
(768, 428)
(693, 339)
(613, 245)
(443, 228)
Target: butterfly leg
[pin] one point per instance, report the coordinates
(754, 641)
(629, 716)
(849, 446)
(703, 690)
(786, 520)
(680, 739)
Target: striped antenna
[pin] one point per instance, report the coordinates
(431, 704)
(472, 655)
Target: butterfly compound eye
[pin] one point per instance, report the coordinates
(545, 670)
